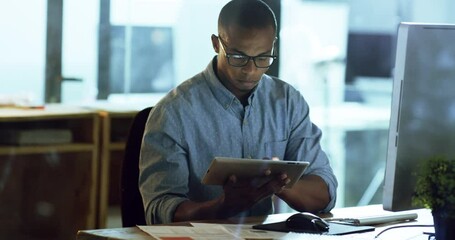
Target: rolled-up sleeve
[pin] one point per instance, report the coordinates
(304, 145)
(163, 168)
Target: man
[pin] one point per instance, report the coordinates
(232, 109)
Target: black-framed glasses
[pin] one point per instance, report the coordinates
(241, 60)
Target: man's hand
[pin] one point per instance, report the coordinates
(242, 194)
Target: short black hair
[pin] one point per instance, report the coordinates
(247, 14)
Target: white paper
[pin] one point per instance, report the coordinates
(197, 233)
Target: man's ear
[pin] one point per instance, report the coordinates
(215, 43)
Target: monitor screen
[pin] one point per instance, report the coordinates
(422, 121)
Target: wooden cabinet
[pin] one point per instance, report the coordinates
(115, 126)
(48, 186)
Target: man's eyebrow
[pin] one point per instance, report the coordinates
(269, 52)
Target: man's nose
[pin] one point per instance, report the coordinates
(250, 66)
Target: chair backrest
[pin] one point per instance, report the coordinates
(132, 207)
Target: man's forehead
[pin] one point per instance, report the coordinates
(235, 32)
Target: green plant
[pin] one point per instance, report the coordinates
(435, 186)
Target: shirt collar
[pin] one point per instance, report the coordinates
(224, 96)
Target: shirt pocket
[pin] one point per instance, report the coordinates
(276, 149)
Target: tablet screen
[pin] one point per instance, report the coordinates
(222, 167)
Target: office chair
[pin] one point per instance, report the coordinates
(132, 208)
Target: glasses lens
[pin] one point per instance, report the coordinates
(242, 60)
(263, 62)
(238, 60)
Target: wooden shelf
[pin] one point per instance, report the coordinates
(119, 146)
(50, 191)
(115, 126)
(82, 178)
(37, 149)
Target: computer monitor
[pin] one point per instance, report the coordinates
(422, 121)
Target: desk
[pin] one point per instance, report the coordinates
(424, 217)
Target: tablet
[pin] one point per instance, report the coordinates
(222, 167)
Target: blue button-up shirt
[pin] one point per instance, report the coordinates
(201, 119)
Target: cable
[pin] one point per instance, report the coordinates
(402, 226)
(431, 236)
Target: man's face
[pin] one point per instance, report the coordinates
(250, 42)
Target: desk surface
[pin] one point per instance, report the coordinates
(424, 217)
